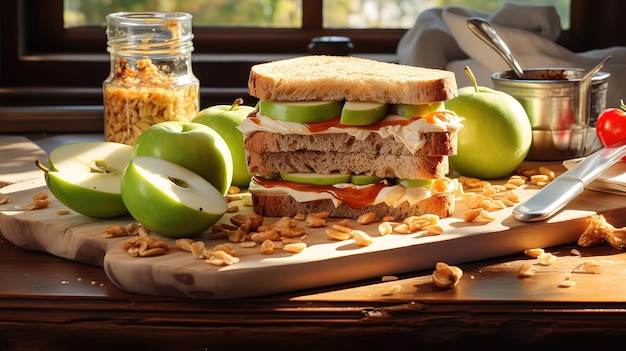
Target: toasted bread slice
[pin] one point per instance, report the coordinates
(342, 153)
(326, 78)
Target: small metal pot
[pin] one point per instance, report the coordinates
(550, 96)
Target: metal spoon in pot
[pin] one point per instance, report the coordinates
(485, 31)
(583, 92)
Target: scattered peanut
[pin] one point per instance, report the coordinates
(446, 276)
(385, 228)
(361, 238)
(198, 250)
(546, 259)
(294, 247)
(533, 253)
(115, 231)
(4, 198)
(40, 200)
(388, 278)
(267, 247)
(144, 245)
(567, 283)
(526, 270)
(338, 235)
(184, 244)
(314, 222)
(367, 218)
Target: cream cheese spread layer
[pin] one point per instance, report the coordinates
(393, 195)
(411, 135)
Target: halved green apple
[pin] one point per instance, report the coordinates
(414, 183)
(409, 111)
(362, 179)
(317, 178)
(86, 177)
(170, 199)
(300, 111)
(363, 113)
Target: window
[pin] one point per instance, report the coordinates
(354, 14)
(44, 62)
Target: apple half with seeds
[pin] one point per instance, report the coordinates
(86, 177)
(361, 113)
(169, 199)
(300, 111)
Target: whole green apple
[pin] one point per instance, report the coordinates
(86, 177)
(170, 199)
(191, 145)
(225, 119)
(496, 135)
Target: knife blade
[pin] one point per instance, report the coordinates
(567, 186)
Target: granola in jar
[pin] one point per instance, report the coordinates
(151, 80)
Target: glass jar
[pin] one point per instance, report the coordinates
(151, 78)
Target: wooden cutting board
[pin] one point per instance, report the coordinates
(324, 262)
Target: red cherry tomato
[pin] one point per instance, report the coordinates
(611, 125)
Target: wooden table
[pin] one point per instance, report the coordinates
(50, 303)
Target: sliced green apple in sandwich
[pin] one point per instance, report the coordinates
(86, 177)
(410, 111)
(316, 178)
(414, 183)
(300, 111)
(362, 179)
(360, 113)
(170, 199)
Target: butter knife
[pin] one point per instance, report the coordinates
(564, 188)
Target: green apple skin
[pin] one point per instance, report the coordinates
(359, 113)
(414, 183)
(362, 179)
(163, 207)
(191, 145)
(495, 137)
(225, 119)
(85, 196)
(316, 178)
(301, 111)
(74, 180)
(409, 111)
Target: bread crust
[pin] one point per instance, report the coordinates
(278, 205)
(342, 153)
(334, 78)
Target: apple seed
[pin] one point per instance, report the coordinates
(99, 166)
(178, 182)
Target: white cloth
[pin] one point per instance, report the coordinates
(441, 38)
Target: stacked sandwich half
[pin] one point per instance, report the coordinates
(348, 135)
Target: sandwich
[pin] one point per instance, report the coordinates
(345, 136)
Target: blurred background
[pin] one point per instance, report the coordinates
(53, 53)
